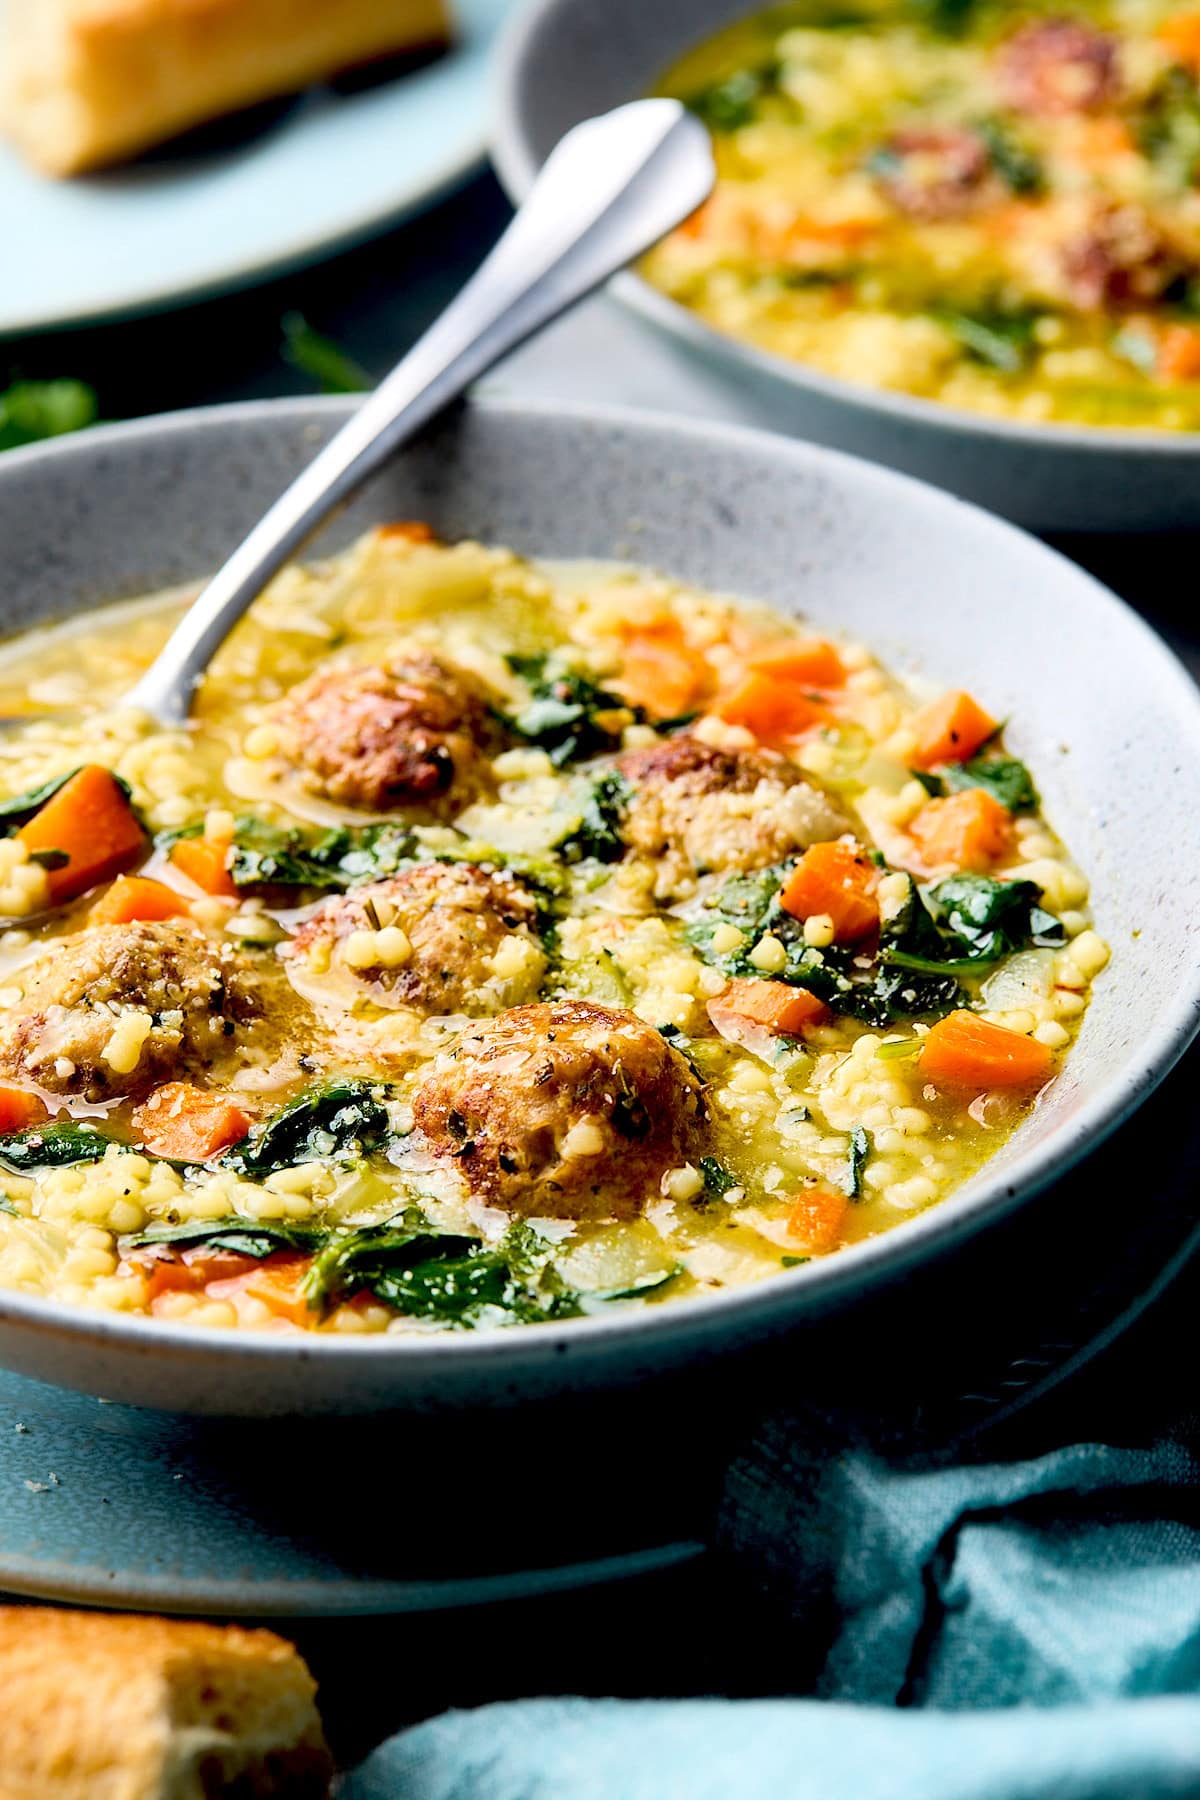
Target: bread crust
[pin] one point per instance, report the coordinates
(88, 82)
(104, 1707)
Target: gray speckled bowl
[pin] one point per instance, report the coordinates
(1107, 718)
(563, 60)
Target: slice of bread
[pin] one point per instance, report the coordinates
(99, 1707)
(88, 82)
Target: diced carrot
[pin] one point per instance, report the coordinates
(811, 661)
(1181, 35)
(92, 824)
(661, 673)
(187, 1124)
(816, 1218)
(801, 234)
(205, 861)
(1179, 353)
(966, 831)
(774, 1004)
(838, 880)
(19, 1110)
(698, 223)
(278, 1282)
(1098, 140)
(774, 711)
(963, 1050)
(194, 1271)
(950, 729)
(412, 531)
(136, 897)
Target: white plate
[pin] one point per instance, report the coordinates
(317, 174)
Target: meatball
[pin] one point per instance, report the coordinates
(1117, 256)
(410, 733)
(938, 172)
(568, 1111)
(697, 810)
(1058, 66)
(440, 938)
(121, 1008)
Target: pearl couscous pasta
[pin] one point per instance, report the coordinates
(988, 205)
(502, 943)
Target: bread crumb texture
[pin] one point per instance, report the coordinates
(101, 1707)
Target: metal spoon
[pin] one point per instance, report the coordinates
(610, 190)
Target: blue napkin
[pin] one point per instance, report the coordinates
(999, 1629)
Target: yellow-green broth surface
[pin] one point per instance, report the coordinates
(432, 786)
(992, 206)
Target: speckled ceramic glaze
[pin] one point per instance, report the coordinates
(563, 60)
(1099, 708)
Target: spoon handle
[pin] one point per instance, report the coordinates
(611, 189)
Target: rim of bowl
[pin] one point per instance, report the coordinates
(759, 1306)
(517, 166)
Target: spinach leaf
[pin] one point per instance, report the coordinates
(355, 1259)
(949, 18)
(1169, 128)
(268, 856)
(717, 1179)
(7, 1206)
(52, 1147)
(321, 359)
(934, 786)
(16, 812)
(993, 917)
(344, 1120)
(598, 834)
(1016, 166)
(244, 1237)
(639, 1287)
(568, 716)
(515, 1278)
(860, 1150)
(748, 903)
(874, 994)
(732, 102)
(1001, 340)
(32, 410)
(1003, 777)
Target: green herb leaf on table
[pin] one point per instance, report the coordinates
(33, 410)
(320, 358)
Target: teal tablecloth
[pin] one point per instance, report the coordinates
(1001, 1628)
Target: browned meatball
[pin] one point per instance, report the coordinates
(936, 172)
(568, 1111)
(1116, 256)
(696, 810)
(412, 733)
(61, 1035)
(469, 941)
(1058, 66)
